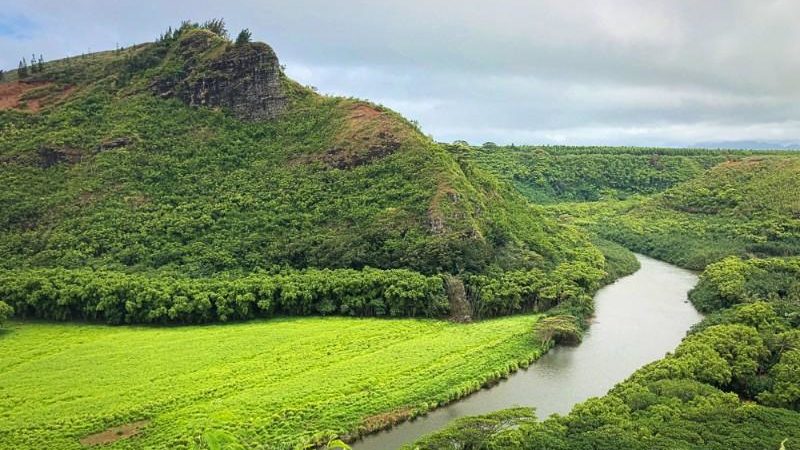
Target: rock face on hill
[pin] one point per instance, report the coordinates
(244, 80)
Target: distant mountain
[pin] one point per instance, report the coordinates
(749, 145)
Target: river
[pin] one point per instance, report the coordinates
(637, 320)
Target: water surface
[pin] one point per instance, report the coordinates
(637, 320)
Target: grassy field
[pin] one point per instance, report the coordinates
(273, 384)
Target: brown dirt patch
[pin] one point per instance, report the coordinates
(364, 112)
(386, 420)
(11, 95)
(368, 134)
(114, 434)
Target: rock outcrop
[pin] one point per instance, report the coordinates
(245, 80)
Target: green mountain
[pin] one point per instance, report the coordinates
(195, 156)
(690, 207)
(747, 208)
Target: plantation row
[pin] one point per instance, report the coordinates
(118, 298)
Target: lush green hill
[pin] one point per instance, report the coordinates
(558, 174)
(196, 156)
(746, 208)
(687, 206)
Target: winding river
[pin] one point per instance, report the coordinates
(637, 320)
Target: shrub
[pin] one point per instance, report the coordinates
(5, 312)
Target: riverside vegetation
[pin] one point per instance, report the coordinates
(189, 181)
(733, 382)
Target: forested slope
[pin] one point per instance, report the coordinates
(552, 174)
(733, 382)
(747, 208)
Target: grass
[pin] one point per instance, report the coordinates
(280, 383)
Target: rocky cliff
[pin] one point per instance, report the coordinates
(244, 80)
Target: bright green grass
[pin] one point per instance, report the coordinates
(273, 384)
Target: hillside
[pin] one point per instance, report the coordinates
(576, 174)
(196, 156)
(690, 207)
(747, 208)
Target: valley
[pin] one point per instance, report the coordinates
(198, 252)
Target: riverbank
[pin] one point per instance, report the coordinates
(646, 314)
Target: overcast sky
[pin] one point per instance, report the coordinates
(540, 72)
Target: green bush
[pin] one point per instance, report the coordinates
(5, 312)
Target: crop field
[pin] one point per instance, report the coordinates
(278, 383)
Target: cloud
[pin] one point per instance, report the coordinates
(585, 71)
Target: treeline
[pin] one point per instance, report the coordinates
(555, 174)
(123, 298)
(535, 290)
(732, 383)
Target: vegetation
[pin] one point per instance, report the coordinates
(244, 37)
(690, 207)
(732, 383)
(269, 384)
(744, 208)
(558, 174)
(5, 312)
(119, 298)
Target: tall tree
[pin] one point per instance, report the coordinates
(244, 37)
(22, 72)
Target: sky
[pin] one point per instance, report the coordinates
(601, 72)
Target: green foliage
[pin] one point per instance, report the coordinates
(337, 444)
(475, 431)
(733, 281)
(740, 208)
(216, 440)
(216, 26)
(118, 298)
(558, 174)
(244, 37)
(619, 261)
(196, 192)
(6, 311)
(559, 330)
(279, 383)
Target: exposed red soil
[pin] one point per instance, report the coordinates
(11, 95)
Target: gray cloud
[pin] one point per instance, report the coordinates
(603, 72)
